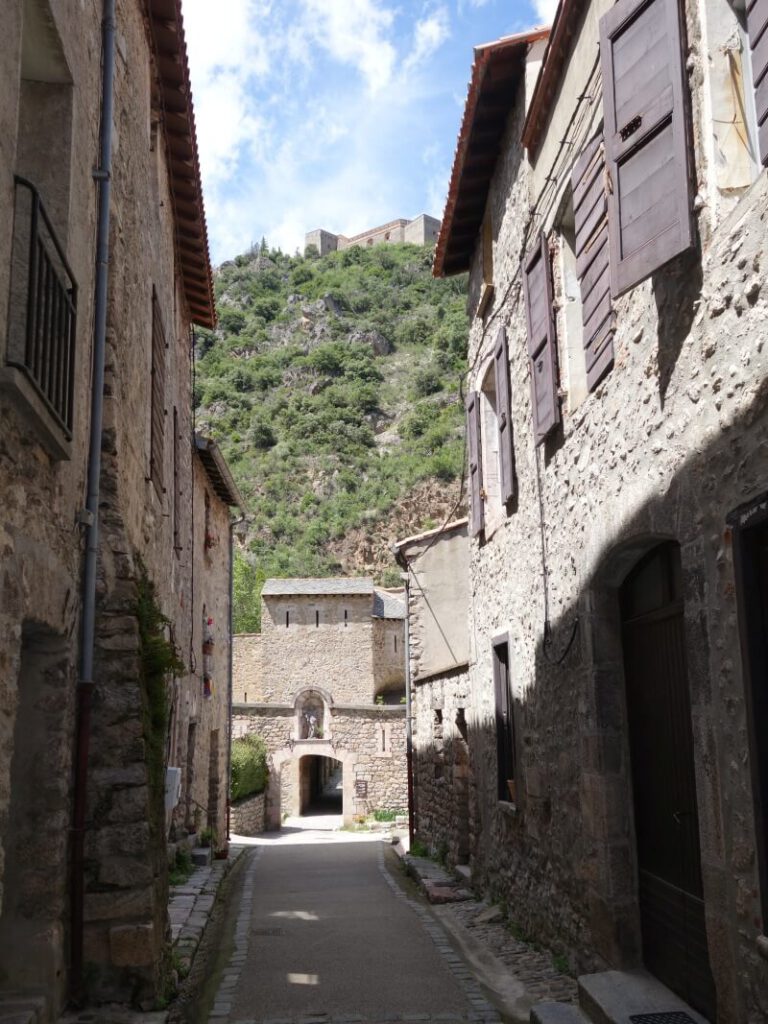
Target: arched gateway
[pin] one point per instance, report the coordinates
(286, 796)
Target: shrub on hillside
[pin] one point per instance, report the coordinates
(249, 766)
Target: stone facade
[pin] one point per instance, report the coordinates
(419, 231)
(322, 684)
(663, 449)
(50, 110)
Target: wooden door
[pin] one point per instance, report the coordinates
(670, 889)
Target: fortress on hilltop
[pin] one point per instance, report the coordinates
(419, 231)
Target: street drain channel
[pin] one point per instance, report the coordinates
(267, 931)
(668, 1017)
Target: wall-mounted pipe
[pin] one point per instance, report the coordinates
(102, 176)
(228, 778)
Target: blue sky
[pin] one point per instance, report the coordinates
(340, 114)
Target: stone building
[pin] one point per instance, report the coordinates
(104, 271)
(443, 810)
(324, 684)
(419, 231)
(612, 211)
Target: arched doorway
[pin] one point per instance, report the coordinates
(670, 890)
(321, 785)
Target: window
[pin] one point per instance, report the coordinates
(646, 138)
(157, 419)
(317, 618)
(287, 618)
(735, 133)
(476, 504)
(346, 617)
(568, 300)
(506, 755)
(177, 490)
(486, 293)
(395, 639)
(489, 433)
(41, 335)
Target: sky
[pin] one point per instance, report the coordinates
(341, 114)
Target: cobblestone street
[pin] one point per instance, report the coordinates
(326, 932)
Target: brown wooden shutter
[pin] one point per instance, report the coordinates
(757, 27)
(590, 209)
(157, 420)
(542, 346)
(646, 138)
(504, 418)
(477, 508)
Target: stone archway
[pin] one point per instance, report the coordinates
(283, 796)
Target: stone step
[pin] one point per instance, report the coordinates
(614, 997)
(557, 1013)
(464, 874)
(21, 1008)
(202, 856)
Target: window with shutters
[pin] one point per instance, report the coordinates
(542, 344)
(568, 301)
(645, 107)
(496, 447)
(506, 750)
(475, 465)
(489, 449)
(157, 400)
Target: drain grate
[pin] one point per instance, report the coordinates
(670, 1017)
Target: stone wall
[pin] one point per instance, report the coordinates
(335, 655)
(669, 444)
(248, 815)
(445, 810)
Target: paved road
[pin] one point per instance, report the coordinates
(325, 934)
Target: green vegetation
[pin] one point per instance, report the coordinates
(159, 659)
(249, 766)
(331, 385)
(182, 868)
(384, 814)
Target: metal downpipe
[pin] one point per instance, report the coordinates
(232, 525)
(409, 711)
(102, 175)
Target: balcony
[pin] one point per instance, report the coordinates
(40, 356)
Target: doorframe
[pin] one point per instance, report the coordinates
(754, 658)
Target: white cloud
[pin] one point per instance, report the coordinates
(545, 9)
(428, 36)
(354, 32)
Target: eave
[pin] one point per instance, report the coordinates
(497, 71)
(217, 471)
(569, 14)
(175, 95)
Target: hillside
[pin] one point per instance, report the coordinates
(331, 385)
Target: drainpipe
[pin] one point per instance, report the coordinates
(232, 525)
(408, 708)
(101, 175)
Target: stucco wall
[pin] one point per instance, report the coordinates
(389, 655)
(670, 442)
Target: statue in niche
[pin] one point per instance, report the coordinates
(310, 719)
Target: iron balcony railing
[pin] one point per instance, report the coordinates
(43, 309)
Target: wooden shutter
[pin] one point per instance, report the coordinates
(590, 209)
(542, 347)
(477, 509)
(157, 419)
(646, 138)
(757, 27)
(504, 418)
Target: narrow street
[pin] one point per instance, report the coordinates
(325, 932)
